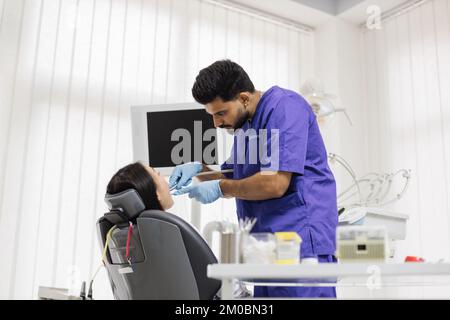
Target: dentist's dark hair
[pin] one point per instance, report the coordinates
(135, 176)
(223, 79)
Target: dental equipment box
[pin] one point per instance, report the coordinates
(362, 244)
(395, 223)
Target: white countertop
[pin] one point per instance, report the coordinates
(325, 270)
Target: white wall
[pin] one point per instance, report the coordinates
(69, 71)
(339, 66)
(408, 112)
(407, 108)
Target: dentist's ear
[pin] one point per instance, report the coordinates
(245, 103)
(244, 99)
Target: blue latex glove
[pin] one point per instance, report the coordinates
(182, 175)
(205, 192)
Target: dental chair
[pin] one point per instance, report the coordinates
(167, 258)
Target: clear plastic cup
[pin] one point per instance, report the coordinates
(258, 248)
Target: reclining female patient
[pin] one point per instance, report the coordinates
(151, 186)
(154, 191)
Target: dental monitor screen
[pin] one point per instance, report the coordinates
(165, 136)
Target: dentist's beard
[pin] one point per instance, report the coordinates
(242, 119)
(238, 125)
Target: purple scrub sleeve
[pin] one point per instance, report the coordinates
(289, 125)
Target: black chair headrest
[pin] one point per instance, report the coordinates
(127, 204)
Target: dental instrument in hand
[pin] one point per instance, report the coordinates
(205, 174)
(213, 172)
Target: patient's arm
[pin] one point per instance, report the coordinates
(212, 176)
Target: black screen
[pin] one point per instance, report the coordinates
(161, 125)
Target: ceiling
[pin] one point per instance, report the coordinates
(333, 7)
(358, 13)
(316, 12)
(286, 9)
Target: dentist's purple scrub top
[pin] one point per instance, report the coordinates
(309, 205)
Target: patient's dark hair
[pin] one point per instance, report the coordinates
(223, 79)
(135, 176)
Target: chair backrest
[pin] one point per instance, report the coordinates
(168, 258)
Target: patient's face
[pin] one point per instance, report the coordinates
(162, 188)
